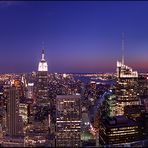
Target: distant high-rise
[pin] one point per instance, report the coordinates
(68, 121)
(30, 92)
(42, 82)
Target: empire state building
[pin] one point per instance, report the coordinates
(43, 66)
(42, 82)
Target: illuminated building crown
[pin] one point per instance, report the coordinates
(43, 66)
(124, 71)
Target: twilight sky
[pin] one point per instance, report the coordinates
(78, 36)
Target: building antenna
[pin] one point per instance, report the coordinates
(43, 52)
(123, 48)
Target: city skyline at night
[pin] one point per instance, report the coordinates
(73, 74)
(78, 36)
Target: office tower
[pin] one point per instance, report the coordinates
(42, 100)
(13, 124)
(68, 121)
(118, 131)
(37, 131)
(42, 82)
(127, 86)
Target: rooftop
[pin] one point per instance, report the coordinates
(119, 121)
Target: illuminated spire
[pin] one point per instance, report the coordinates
(43, 66)
(123, 48)
(43, 52)
(43, 55)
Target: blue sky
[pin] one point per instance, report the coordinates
(78, 36)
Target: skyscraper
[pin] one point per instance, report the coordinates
(126, 88)
(42, 82)
(127, 85)
(68, 121)
(13, 112)
(38, 130)
(118, 131)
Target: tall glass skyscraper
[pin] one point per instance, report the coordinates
(68, 121)
(126, 88)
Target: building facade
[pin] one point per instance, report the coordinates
(68, 121)
(13, 119)
(118, 130)
(126, 88)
